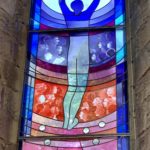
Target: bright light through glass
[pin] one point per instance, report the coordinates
(53, 4)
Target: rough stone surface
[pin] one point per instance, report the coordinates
(139, 69)
(13, 33)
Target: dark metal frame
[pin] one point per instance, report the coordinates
(75, 137)
(87, 29)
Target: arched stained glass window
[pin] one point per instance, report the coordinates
(75, 89)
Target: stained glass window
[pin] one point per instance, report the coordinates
(49, 14)
(75, 88)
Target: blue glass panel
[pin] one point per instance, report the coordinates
(123, 129)
(122, 78)
(105, 22)
(26, 113)
(27, 102)
(31, 98)
(125, 90)
(52, 24)
(55, 4)
(119, 95)
(120, 7)
(120, 20)
(29, 116)
(28, 131)
(35, 19)
(37, 10)
(121, 72)
(120, 39)
(23, 127)
(102, 18)
(78, 14)
(32, 59)
(50, 18)
(119, 144)
(23, 112)
(121, 68)
(33, 44)
(51, 12)
(35, 24)
(122, 113)
(103, 10)
(120, 54)
(29, 123)
(26, 96)
(125, 143)
(70, 14)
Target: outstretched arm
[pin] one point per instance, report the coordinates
(93, 6)
(63, 6)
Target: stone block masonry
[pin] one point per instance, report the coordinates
(139, 24)
(13, 35)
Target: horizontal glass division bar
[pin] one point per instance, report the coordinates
(86, 29)
(75, 137)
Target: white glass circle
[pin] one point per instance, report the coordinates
(42, 128)
(86, 130)
(96, 141)
(102, 124)
(47, 142)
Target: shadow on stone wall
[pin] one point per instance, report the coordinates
(139, 70)
(13, 35)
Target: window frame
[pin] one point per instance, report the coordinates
(85, 29)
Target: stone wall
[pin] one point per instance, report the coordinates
(13, 32)
(139, 71)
